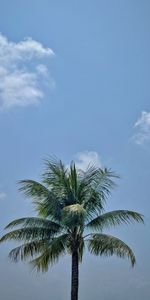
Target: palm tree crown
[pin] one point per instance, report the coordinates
(70, 215)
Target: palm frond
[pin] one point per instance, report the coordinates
(28, 250)
(34, 222)
(105, 181)
(29, 234)
(56, 248)
(46, 202)
(94, 203)
(73, 180)
(50, 208)
(89, 176)
(107, 245)
(33, 189)
(114, 218)
(56, 177)
(95, 185)
(86, 180)
(55, 173)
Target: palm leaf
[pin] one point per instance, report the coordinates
(29, 234)
(57, 178)
(105, 182)
(73, 181)
(46, 203)
(107, 245)
(94, 203)
(34, 222)
(50, 208)
(114, 218)
(28, 250)
(56, 248)
(55, 174)
(95, 186)
(33, 189)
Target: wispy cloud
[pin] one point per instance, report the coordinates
(142, 126)
(86, 158)
(2, 195)
(21, 73)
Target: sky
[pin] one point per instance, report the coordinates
(74, 82)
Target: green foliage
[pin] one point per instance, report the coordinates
(73, 216)
(34, 222)
(69, 204)
(51, 253)
(103, 244)
(114, 218)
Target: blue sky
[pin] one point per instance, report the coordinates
(74, 82)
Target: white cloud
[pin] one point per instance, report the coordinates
(20, 73)
(2, 195)
(42, 69)
(86, 158)
(143, 128)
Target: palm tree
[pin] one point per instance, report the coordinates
(70, 215)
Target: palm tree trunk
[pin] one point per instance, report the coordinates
(75, 276)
